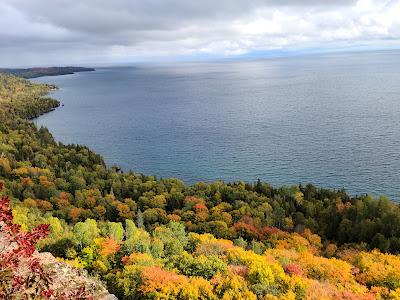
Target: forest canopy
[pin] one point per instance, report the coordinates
(39, 72)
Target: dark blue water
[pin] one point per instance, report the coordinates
(331, 120)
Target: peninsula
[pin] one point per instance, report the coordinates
(40, 72)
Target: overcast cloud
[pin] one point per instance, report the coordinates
(45, 32)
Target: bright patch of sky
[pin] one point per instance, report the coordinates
(45, 32)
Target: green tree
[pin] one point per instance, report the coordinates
(115, 231)
(139, 219)
(86, 232)
(130, 228)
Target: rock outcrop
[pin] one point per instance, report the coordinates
(66, 278)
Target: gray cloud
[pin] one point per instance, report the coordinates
(65, 32)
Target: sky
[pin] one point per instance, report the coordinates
(65, 32)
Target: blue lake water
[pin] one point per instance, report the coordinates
(332, 120)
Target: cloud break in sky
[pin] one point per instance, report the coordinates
(46, 32)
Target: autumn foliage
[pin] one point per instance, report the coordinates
(22, 275)
(150, 238)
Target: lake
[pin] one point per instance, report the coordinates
(332, 120)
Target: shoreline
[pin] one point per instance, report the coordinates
(30, 73)
(210, 181)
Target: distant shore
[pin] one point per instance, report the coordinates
(40, 72)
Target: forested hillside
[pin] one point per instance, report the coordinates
(150, 238)
(39, 72)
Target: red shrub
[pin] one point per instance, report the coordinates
(21, 274)
(239, 270)
(293, 269)
(17, 248)
(269, 231)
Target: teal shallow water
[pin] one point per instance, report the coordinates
(332, 120)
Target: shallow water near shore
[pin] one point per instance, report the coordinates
(332, 120)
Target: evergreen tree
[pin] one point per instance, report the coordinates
(139, 219)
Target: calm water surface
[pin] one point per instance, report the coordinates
(332, 120)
